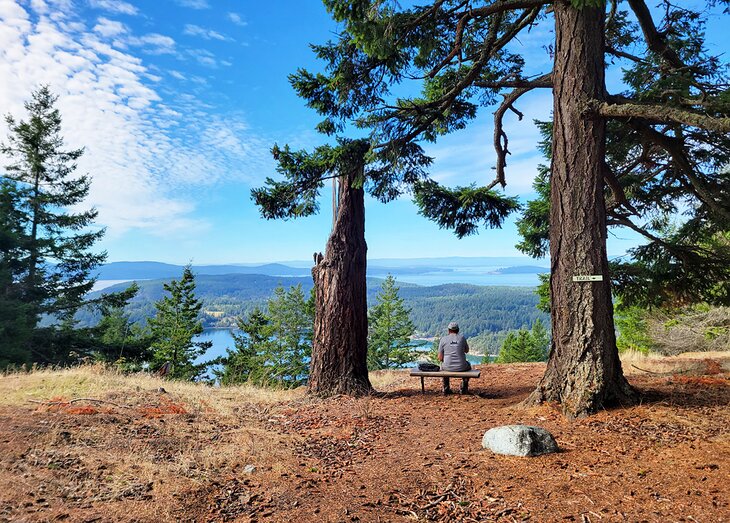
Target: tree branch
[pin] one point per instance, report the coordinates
(466, 16)
(618, 192)
(501, 141)
(544, 81)
(489, 49)
(654, 39)
(675, 148)
(661, 114)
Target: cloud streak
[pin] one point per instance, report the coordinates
(149, 149)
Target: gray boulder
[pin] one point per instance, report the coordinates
(519, 440)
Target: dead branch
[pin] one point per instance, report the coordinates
(501, 142)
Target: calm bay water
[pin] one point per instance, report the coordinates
(222, 340)
(471, 275)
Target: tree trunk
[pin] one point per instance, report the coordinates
(339, 344)
(584, 372)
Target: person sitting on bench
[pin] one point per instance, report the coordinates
(452, 355)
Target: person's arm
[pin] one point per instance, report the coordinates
(466, 346)
(441, 351)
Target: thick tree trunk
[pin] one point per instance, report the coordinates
(339, 345)
(584, 372)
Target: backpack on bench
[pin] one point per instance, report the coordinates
(428, 367)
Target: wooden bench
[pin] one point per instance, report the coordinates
(466, 375)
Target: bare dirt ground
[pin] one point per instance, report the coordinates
(187, 454)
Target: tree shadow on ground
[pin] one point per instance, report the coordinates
(516, 393)
(686, 396)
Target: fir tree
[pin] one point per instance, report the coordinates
(524, 345)
(46, 261)
(117, 339)
(390, 329)
(175, 324)
(290, 318)
(273, 346)
(17, 317)
(244, 363)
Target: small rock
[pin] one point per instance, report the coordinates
(249, 469)
(519, 440)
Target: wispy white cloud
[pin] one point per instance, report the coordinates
(114, 6)
(208, 34)
(194, 4)
(237, 19)
(147, 152)
(107, 28)
(203, 57)
(153, 43)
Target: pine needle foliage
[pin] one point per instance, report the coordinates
(175, 324)
(525, 345)
(46, 249)
(273, 345)
(390, 329)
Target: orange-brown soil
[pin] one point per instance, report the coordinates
(395, 456)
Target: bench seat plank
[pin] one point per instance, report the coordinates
(446, 374)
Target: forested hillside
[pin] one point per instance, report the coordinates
(476, 308)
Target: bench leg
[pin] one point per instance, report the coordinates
(465, 385)
(423, 386)
(447, 386)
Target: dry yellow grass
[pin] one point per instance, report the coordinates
(219, 431)
(383, 380)
(634, 362)
(97, 381)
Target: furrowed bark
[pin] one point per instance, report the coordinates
(584, 372)
(339, 344)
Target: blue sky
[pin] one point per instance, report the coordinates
(178, 102)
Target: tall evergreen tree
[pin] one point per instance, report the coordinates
(174, 326)
(291, 321)
(389, 329)
(46, 261)
(17, 318)
(273, 346)
(244, 362)
(460, 52)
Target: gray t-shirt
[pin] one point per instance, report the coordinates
(453, 348)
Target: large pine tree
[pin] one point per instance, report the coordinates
(461, 54)
(46, 261)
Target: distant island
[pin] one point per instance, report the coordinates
(522, 269)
